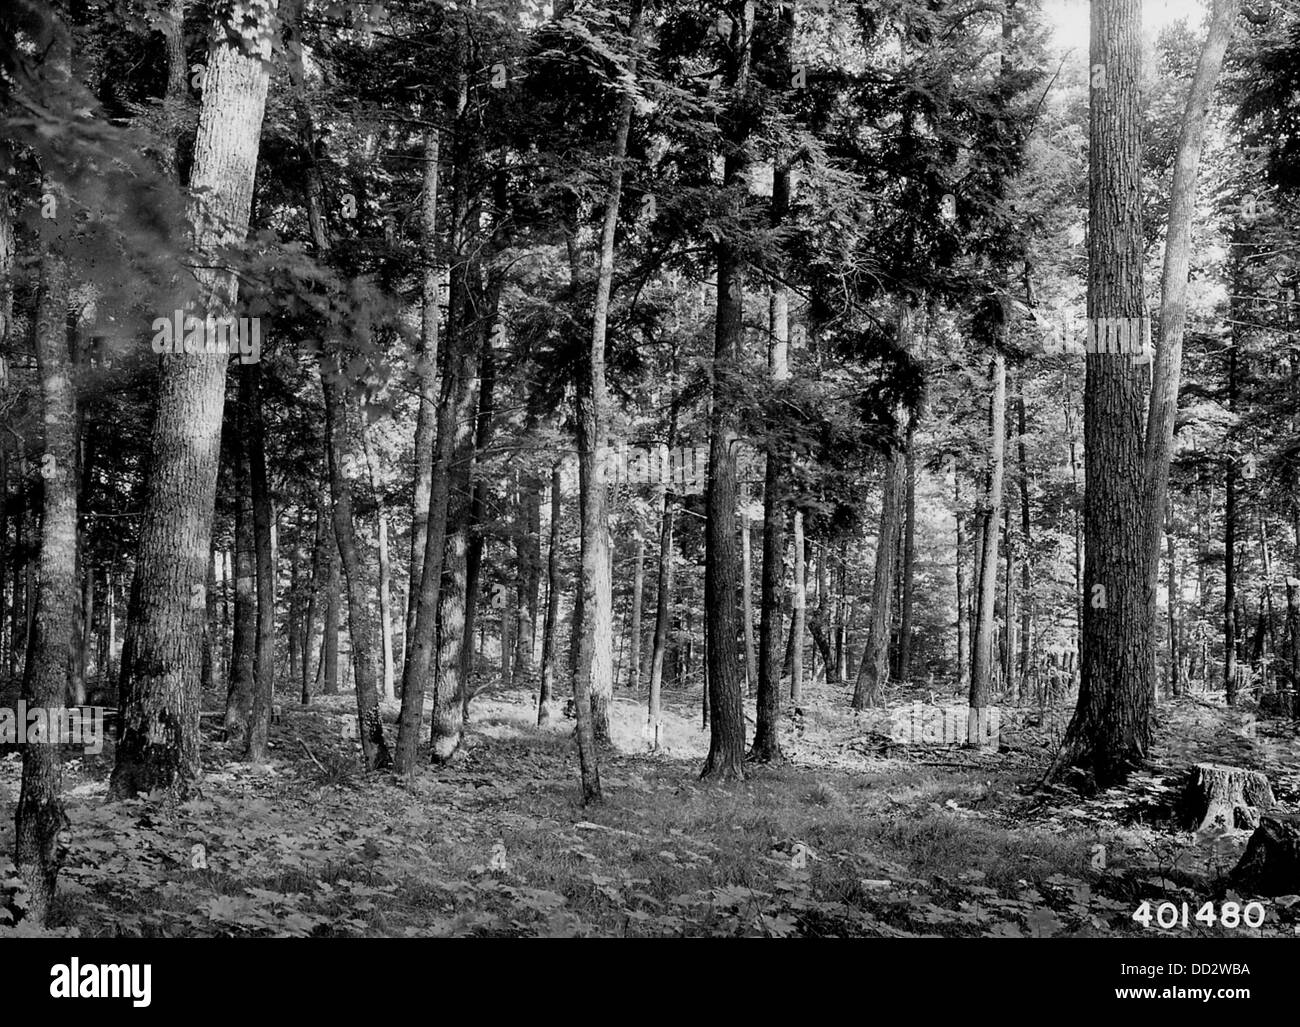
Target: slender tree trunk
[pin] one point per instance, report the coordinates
(798, 612)
(241, 682)
(263, 519)
(385, 567)
(159, 744)
(528, 555)
(747, 598)
(1163, 404)
(663, 610)
(638, 585)
(1172, 568)
(963, 664)
(426, 423)
(551, 622)
(909, 558)
(1026, 561)
(987, 579)
(593, 682)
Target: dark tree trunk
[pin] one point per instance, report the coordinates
(550, 623)
(1111, 727)
(263, 518)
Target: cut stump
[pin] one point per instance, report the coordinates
(1226, 798)
(1271, 862)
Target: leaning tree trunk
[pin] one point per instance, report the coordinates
(40, 815)
(1163, 405)
(1111, 727)
(159, 745)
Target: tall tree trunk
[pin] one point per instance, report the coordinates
(385, 567)
(873, 669)
(263, 519)
(638, 585)
(1172, 569)
(747, 598)
(1111, 727)
(663, 610)
(159, 744)
(963, 664)
(426, 367)
(987, 576)
(550, 623)
(593, 682)
(240, 680)
(798, 612)
(374, 749)
(1163, 405)
(1026, 561)
(40, 815)
(528, 557)
(909, 558)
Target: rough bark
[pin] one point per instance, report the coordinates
(40, 815)
(160, 737)
(1111, 727)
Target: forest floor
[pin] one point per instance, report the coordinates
(854, 836)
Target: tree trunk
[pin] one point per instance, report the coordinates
(550, 623)
(986, 581)
(385, 567)
(909, 558)
(638, 585)
(963, 665)
(426, 423)
(747, 598)
(159, 745)
(263, 518)
(873, 669)
(663, 609)
(40, 815)
(528, 555)
(1163, 405)
(240, 680)
(593, 681)
(798, 612)
(1026, 560)
(1111, 727)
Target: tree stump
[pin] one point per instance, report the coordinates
(1226, 798)
(1271, 863)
